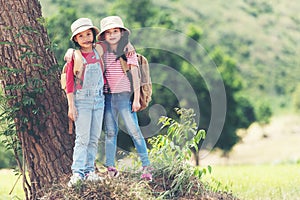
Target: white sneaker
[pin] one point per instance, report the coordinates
(75, 179)
(93, 177)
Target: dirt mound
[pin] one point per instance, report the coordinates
(128, 186)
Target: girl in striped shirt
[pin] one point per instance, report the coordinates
(118, 94)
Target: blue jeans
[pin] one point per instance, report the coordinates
(120, 105)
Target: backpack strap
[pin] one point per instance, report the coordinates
(124, 65)
(78, 63)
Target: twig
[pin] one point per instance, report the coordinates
(15, 185)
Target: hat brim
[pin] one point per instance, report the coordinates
(84, 28)
(110, 27)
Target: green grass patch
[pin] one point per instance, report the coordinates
(255, 182)
(7, 181)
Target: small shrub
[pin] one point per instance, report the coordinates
(170, 153)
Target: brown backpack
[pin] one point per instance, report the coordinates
(78, 65)
(145, 80)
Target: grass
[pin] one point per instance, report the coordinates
(258, 182)
(7, 181)
(249, 182)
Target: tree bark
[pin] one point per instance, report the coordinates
(30, 76)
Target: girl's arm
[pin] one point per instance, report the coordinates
(69, 55)
(136, 87)
(129, 48)
(72, 111)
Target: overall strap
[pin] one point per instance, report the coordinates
(99, 50)
(98, 57)
(96, 53)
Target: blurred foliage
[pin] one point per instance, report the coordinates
(134, 14)
(263, 113)
(9, 144)
(149, 13)
(59, 31)
(296, 98)
(7, 159)
(262, 36)
(253, 45)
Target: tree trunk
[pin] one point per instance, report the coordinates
(29, 74)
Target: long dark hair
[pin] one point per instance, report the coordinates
(121, 45)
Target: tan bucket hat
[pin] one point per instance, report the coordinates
(82, 24)
(111, 22)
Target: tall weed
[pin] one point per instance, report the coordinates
(171, 152)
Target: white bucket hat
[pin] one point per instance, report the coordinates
(82, 24)
(111, 22)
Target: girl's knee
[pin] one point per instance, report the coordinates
(137, 136)
(111, 134)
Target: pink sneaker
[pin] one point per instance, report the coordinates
(112, 172)
(146, 173)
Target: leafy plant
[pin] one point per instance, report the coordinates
(180, 138)
(171, 153)
(8, 136)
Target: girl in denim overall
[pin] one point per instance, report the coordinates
(85, 102)
(118, 94)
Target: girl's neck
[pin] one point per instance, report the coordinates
(86, 50)
(113, 47)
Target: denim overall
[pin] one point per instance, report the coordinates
(89, 102)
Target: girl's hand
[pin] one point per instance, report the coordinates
(72, 113)
(69, 55)
(129, 49)
(136, 106)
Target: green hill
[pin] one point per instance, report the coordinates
(263, 36)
